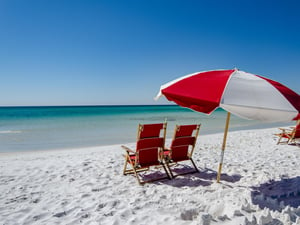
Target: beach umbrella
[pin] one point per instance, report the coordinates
(243, 94)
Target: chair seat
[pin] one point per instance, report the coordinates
(286, 135)
(132, 158)
(166, 152)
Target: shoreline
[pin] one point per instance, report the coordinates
(243, 128)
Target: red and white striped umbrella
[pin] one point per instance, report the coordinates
(243, 94)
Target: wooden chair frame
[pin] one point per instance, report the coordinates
(147, 140)
(291, 134)
(188, 143)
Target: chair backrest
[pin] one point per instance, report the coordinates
(184, 139)
(186, 130)
(151, 130)
(148, 151)
(150, 143)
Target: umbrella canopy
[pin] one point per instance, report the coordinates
(243, 94)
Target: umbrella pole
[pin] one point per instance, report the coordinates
(223, 146)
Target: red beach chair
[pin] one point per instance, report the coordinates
(148, 152)
(289, 135)
(182, 146)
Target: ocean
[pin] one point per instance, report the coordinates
(62, 127)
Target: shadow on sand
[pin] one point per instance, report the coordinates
(276, 195)
(209, 174)
(204, 177)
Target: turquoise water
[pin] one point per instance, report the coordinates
(44, 128)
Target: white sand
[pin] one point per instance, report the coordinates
(261, 184)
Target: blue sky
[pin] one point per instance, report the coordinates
(70, 52)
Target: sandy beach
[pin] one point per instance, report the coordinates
(260, 185)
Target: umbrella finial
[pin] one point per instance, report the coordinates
(236, 69)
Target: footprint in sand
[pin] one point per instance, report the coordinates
(60, 214)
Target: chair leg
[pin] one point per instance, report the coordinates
(125, 165)
(194, 165)
(194, 171)
(293, 141)
(135, 171)
(169, 169)
(281, 142)
(137, 176)
(169, 174)
(142, 182)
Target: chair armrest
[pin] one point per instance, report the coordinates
(128, 150)
(285, 129)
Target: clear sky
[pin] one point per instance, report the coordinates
(88, 52)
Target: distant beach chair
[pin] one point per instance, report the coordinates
(148, 151)
(182, 147)
(289, 135)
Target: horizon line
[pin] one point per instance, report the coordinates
(8, 106)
